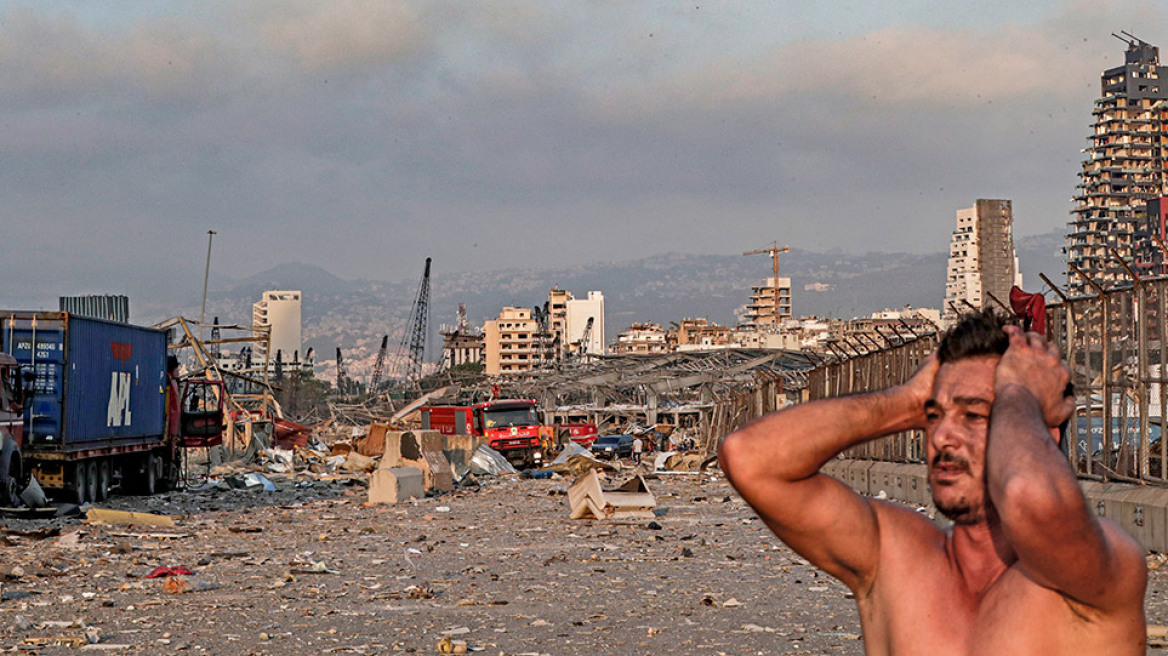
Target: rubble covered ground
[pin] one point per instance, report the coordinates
(313, 569)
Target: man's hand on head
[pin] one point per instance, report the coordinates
(1035, 365)
(920, 386)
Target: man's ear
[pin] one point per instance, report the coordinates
(1060, 434)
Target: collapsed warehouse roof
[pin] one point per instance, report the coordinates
(705, 391)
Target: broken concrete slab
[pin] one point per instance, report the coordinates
(422, 450)
(395, 484)
(437, 475)
(459, 449)
(631, 500)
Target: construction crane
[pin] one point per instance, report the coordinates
(773, 251)
(414, 341)
(379, 366)
(586, 337)
(341, 377)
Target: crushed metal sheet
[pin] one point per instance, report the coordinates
(487, 461)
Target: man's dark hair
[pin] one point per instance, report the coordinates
(975, 334)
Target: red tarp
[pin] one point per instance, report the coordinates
(1031, 307)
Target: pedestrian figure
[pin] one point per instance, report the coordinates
(1026, 568)
(638, 446)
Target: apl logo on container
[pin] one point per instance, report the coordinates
(118, 410)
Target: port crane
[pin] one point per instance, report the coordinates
(342, 379)
(414, 341)
(379, 366)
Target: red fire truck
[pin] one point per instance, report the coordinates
(511, 427)
(583, 434)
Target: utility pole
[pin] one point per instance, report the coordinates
(773, 251)
(206, 274)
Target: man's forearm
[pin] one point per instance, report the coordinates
(794, 443)
(1037, 496)
(1021, 448)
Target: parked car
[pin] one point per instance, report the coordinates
(610, 446)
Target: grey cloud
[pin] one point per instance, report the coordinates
(341, 35)
(479, 134)
(53, 59)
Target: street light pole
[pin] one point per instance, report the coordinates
(206, 274)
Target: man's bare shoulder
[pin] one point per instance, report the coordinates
(908, 542)
(900, 523)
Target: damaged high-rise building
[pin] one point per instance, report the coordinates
(1123, 169)
(982, 262)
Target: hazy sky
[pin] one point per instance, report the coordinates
(363, 136)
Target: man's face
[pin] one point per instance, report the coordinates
(958, 421)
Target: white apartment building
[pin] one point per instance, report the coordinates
(280, 311)
(579, 312)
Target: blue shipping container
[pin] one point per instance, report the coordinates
(98, 383)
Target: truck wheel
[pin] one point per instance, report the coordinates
(10, 478)
(76, 494)
(91, 481)
(103, 479)
(163, 474)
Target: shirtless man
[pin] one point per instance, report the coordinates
(1025, 569)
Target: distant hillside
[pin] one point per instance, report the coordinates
(354, 314)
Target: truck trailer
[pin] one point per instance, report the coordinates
(89, 404)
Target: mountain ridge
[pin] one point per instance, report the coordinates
(664, 287)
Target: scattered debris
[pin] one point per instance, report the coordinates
(448, 646)
(631, 500)
(489, 462)
(574, 460)
(125, 518)
(1157, 635)
(163, 571)
(181, 585)
(32, 495)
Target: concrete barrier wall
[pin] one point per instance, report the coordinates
(1142, 511)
